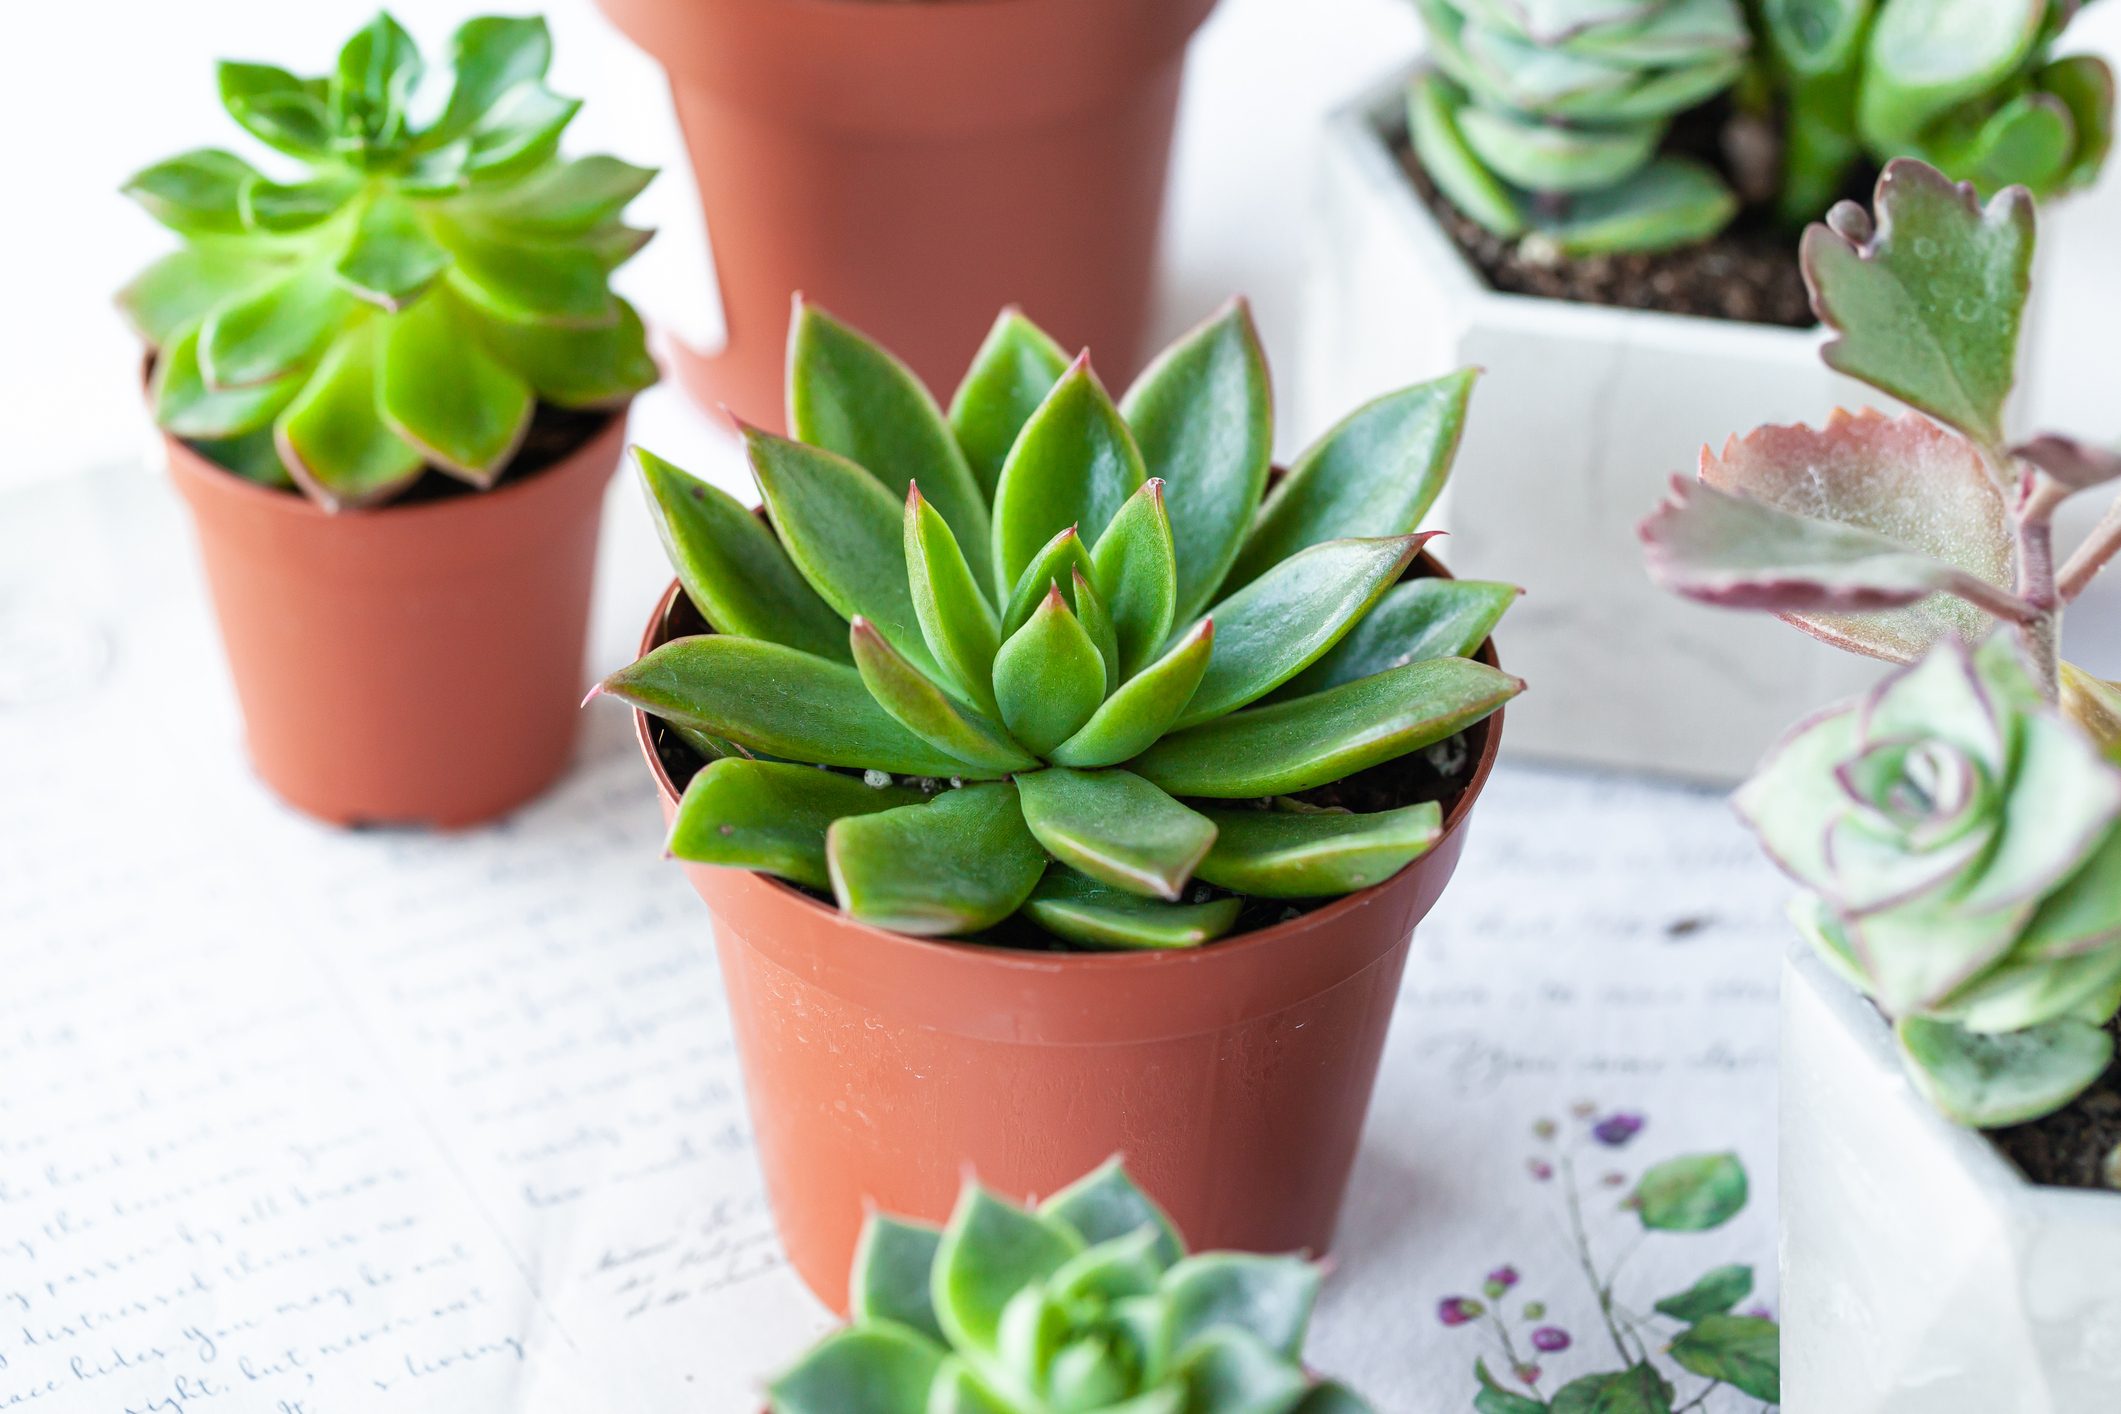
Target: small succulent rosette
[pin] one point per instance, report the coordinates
(429, 275)
(1087, 1304)
(1962, 843)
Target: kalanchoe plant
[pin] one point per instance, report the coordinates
(1064, 656)
(1959, 828)
(1546, 118)
(428, 274)
(1087, 1303)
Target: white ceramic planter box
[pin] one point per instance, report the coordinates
(1582, 417)
(1921, 1273)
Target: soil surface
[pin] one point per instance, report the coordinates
(1749, 273)
(2071, 1148)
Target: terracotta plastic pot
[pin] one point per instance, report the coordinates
(913, 167)
(1233, 1077)
(359, 641)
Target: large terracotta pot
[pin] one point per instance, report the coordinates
(359, 641)
(1234, 1077)
(913, 167)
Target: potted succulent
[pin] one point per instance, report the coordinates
(1596, 201)
(1957, 831)
(1088, 1301)
(914, 166)
(392, 384)
(1087, 696)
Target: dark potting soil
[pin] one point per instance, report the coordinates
(2072, 1147)
(1749, 273)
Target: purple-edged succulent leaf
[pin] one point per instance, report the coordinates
(1075, 463)
(1315, 853)
(1116, 827)
(771, 816)
(1990, 1081)
(2079, 466)
(928, 712)
(978, 863)
(1927, 303)
(1142, 708)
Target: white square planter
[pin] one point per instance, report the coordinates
(1583, 415)
(1921, 1273)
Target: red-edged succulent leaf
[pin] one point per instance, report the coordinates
(772, 816)
(955, 617)
(977, 862)
(1049, 676)
(927, 711)
(1010, 376)
(1135, 570)
(1117, 828)
(1075, 463)
(1929, 300)
(1094, 915)
(1143, 707)
(1904, 479)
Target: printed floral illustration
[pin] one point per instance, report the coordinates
(1674, 1356)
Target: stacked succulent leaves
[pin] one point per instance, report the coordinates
(1088, 1303)
(1059, 651)
(1959, 829)
(432, 272)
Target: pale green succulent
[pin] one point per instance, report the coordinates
(1087, 1304)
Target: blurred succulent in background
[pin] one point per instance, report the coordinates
(1969, 86)
(1087, 1303)
(1068, 656)
(432, 273)
(1546, 118)
(1960, 827)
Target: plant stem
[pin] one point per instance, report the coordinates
(1509, 1351)
(2042, 633)
(2092, 556)
(1587, 1261)
(1700, 1399)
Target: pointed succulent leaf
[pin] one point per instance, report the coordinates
(1105, 1205)
(1745, 1352)
(1053, 567)
(273, 328)
(894, 1266)
(490, 56)
(277, 207)
(1902, 478)
(1283, 621)
(777, 700)
(186, 405)
(1376, 473)
(198, 193)
(1048, 676)
(1116, 827)
(2063, 801)
(1089, 1372)
(956, 621)
(445, 394)
(1113, 1270)
(771, 816)
(2021, 992)
(881, 1369)
(958, 1389)
(1268, 1298)
(275, 107)
(1991, 1082)
(1094, 915)
(176, 292)
(847, 395)
(930, 713)
(594, 367)
(1416, 619)
(1716, 1293)
(2079, 466)
(1928, 303)
(1691, 1194)
(1671, 202)
(543, 282)
(1202, 414)
(992, 1250)
(1075, 463)
(1541, 156)
(392, 258)
(1143, 708)
(331, 438)
(1097, 622)
(845, 533)
(377, 69)
(1307, 854)
(1291, 746)
(1135, 568)
(977, 866)
(570, 198)
(1436, 108)
(1923, 59)
(1015, 368)
(1233, 1370)
(520, 130)
(255, 456)
(733, 569)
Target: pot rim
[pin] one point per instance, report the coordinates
(1045, 962)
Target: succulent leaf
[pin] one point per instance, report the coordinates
(1134, 566)
(1235, 1370)
(733, 568)
(1305, 854)
(186, 404)
(1435, 108)
(1291, 746)
(1115, 827)
(1049, 676)
(771, 816)
(1106, 1205)
(197, 193)
(1416, 619)
(2095, 705)
(1015, 368)
(2084, 85)
(392, 259)
(569, 367)
(1267, 1298)
(272, 329)
(1926, 58)
(991, 1250)
(1097, 622)
(331, 437)
(275, 107)
(546, 282)
(1375, 473)
(171, 296)
(893, 1263)
(877, 1369)
(928, 712)
(1672, 201)
(978, 865)
(956, 621)
(566, 199)
(847, 395)
(1286, 619)
(1143, 708)
(776, 700)
(1075, 463)
(1992, 1081)
(463, 409)
(1202, 414)
(1928, 304)
(1055, 566)
(1545, 157)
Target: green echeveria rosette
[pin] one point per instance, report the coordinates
(1962, 841)
(431, 272)
(1086, 1305)
(1547, 118)
(1067, 657)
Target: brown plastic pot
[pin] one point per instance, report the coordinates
(412, 664)
(913, 167)
(1234, 1078)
